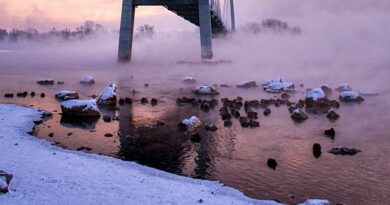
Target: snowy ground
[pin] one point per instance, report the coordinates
(45, 174)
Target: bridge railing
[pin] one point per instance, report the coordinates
(224, 10)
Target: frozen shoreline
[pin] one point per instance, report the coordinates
(45, 174)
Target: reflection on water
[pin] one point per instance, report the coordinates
(234, 155)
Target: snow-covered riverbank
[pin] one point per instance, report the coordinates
(45, 174)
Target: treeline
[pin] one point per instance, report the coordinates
(87, 30)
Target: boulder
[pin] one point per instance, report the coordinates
(67, 95)
(205, 90)
(47, 81)
(247, 84)
(298, 115)
(87, 79)
(80, 108)
(277, 86)
(5, 180)
(344, 150)
(350, 96)
(108, 95)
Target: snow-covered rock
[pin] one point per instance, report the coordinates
(189, 79)
(298, 115)
(47, 81)
(315, 94)
(277, 86)
(5, 180)
(315, 202)
(87, 79)
(350, 96)
(108, 95)
(247, 84)
(344, 87)
(80, 108)
(205, 90)
(344, 150)
(191, 124)
(67, 95)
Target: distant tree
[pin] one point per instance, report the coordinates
(146, 31)
(3, 34)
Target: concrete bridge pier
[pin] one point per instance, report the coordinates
(205, 29)
(126, 31)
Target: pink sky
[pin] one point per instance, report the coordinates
(46, 14)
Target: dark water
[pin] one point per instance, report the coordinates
(235, 156)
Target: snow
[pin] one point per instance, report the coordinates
(108, 93)
(192, 122)
(349, 94)
(315, 94)
(278, 86)
(89, 104)
(189, 79)
(316, 202)
(3, 183)
(48, 175)
(87, 79)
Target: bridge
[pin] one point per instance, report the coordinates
(213, 17)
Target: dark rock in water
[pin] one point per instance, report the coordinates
(153, 101)
(267, 112)
(144, 100)
(43, 95)
(210, 127)
(84, 148)
(244, 121)
(248, 84)
(227, 123)
(344, 151)
(46, 82)
(196, 138)
(225, 86)
(236, 114)
(128, 101)
(51, 134)
(5, 180)
(32, 94)
(317, 150)
(252, 115)
(285, 96)
(108, 135)
(252, 104)
(327, 90)
(253, 123)
(21, 94)
(299, 116)
(271, 163)
(46, 115)
(160, 123)
(146, 85)
(121, 101)
(225, 115)
(38, 122)
(184, 100)
(70, 133)
(331, 133)
(205, 107)
(106, 118)
(9, 95)
(60, 82)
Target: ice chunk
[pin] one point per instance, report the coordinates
(205, 90)
(192, 123)
(277, 86)
(189, 79)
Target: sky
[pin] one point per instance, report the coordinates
(46, 14)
